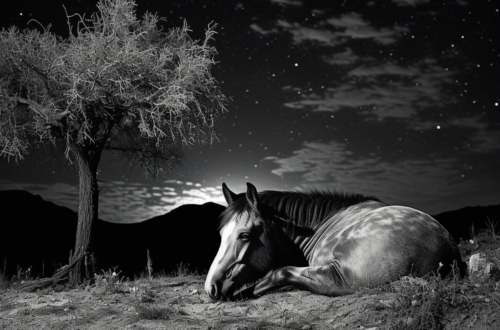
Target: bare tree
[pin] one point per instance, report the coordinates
(116, 83)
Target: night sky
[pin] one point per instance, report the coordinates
(395, 99)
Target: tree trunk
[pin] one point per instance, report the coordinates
(87, 159)
(87, 209)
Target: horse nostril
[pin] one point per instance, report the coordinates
(214, 293)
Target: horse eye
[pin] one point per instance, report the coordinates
(245, 236)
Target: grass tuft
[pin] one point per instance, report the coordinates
(491, 228)
(109, 280)
(155, 312)
(145, 312)
(182, 270)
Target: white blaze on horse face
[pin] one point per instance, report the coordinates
(226, 231)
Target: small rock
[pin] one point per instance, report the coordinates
(480, 266)
(387, 302)
(476, 262)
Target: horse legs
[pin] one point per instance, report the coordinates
(326, 280)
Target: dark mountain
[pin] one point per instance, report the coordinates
(40, 234)
(187, 234)
(461, 222)
(34, 232)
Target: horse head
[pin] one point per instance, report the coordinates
(253, 244)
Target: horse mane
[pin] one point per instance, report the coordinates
(304, 209)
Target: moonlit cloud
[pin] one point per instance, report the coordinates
(151, 201)
(125, 202)
(413, 182)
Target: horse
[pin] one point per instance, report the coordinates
(330, 243)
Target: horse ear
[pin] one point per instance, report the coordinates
(252, 197)
(228, 194)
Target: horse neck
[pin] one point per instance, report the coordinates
(290, 253)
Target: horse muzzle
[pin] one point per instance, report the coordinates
(222, 287)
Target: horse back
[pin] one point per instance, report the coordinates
(375, 243)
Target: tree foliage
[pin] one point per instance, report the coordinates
(116, 83)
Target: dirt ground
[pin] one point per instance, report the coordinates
(181, 303)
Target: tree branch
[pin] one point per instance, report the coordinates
(43, 111)
(43, 74)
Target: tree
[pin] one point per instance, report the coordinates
(116, 83)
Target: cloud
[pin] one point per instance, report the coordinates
(384, 90)
(347, 57)
(351, 20)
(355, 27)
(414, 182)
(343, 29)
(126, 202)
(295, 3)
(303, 34)
(406, 3)
(151, 201)
(260, 30)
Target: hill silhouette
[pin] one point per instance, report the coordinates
(40, 234)
(461, 222)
